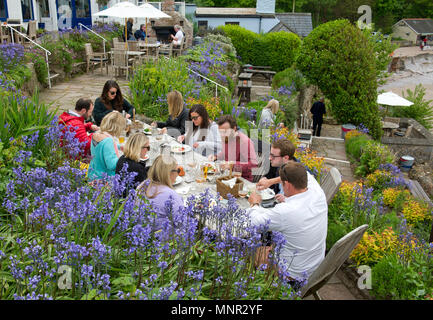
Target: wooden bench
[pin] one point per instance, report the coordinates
(418, 192)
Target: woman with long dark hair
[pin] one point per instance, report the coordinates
(203, 135)
(111, 99)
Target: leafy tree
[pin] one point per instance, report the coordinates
(382, 48)
(340, 61)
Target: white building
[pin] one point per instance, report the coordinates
(60, 14)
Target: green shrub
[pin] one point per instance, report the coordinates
(60, 56)
(281, 49)
(245, 42)
(336, 230)
(337, 58)
(373, 155)
(354, 145)
(388, 280)
(404, 275)
(275, 49)
(152, 82)
(21, 117)
(289, 77)
(421, 110)
(40, 66)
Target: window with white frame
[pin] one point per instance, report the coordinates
(26, 7)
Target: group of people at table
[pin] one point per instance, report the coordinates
(301, 212)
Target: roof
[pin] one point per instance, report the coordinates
(420, 26)
(296, 22)
(229, 12)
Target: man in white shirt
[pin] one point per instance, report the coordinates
(177, 39)
(302, 218)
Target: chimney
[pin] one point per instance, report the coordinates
(167, 5)
(265, 6)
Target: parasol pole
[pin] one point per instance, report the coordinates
(147, 49)
(126, 37)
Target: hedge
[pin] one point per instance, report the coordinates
(338, 58)
(275, 49)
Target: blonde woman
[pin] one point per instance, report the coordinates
(267, 118)
(104, 146)
(135, 156)
(177, 39)
(175, 124)
(158, 189)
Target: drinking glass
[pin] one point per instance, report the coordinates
(243, 192)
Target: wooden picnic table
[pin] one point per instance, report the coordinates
(249, 66)
(265, 73)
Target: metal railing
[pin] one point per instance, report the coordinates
(103, 39)
(216, 83)
(38, 45)
(200, 75)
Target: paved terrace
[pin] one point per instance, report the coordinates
(330, 146)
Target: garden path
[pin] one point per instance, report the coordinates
(65, 94)
(331, 146)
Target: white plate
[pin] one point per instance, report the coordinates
(149, 133)
(180, 148)
(178, 180)
(267, 194)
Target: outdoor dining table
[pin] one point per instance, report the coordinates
(152, 47)
(189, 186)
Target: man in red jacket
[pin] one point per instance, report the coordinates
(75, 120)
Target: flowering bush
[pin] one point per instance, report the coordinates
(210, 60)
(373, 155)
(415, 212)
(109, 246)
(310, 160)
(211, 105)
(374, 246)
(390, 196)
(405, 273)
(386, 176)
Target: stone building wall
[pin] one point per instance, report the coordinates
(176, 18)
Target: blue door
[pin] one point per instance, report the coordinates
(72, 12)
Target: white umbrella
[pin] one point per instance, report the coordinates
(123, 10)
(392, 99)
(152, 12)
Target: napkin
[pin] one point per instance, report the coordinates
(231, 183)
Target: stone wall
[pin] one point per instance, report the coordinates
(418, 145)
(176, 18)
